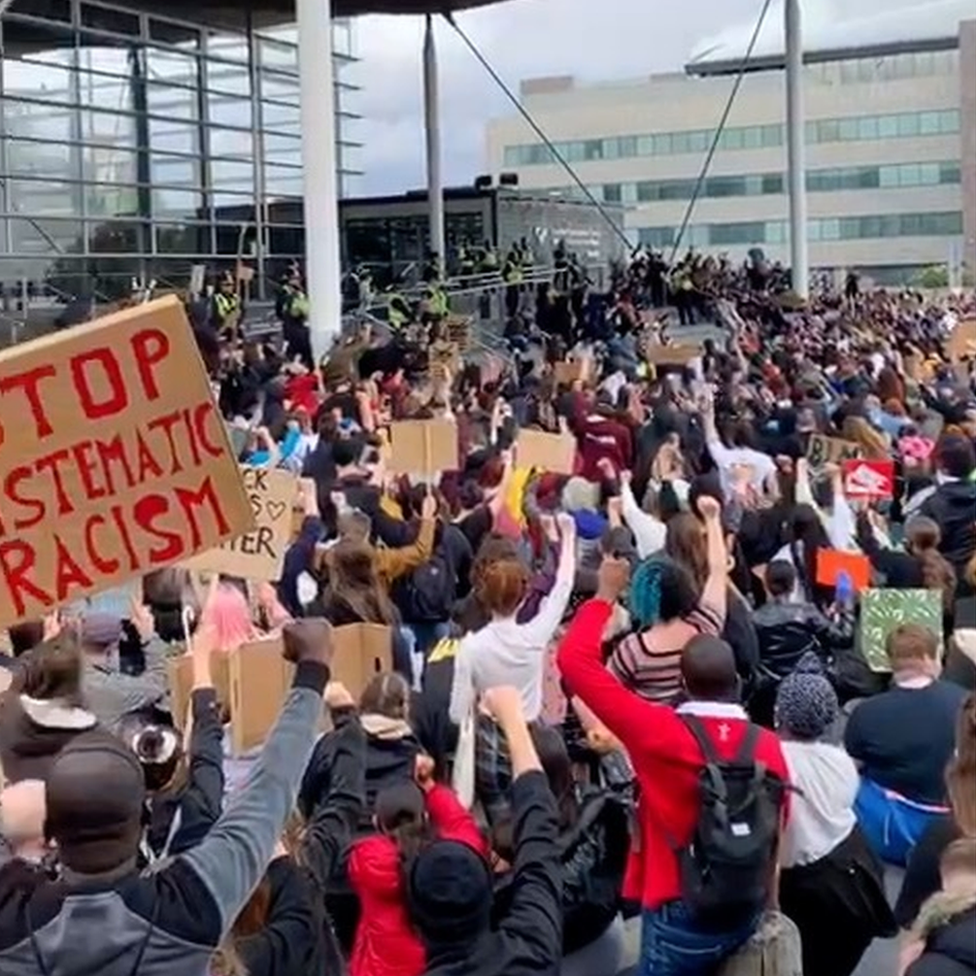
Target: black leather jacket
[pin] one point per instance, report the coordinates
(788, 630)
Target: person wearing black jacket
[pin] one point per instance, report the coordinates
(787, 630)
(353, 482)
(594, 841)
(185, 794)
(448, 886)
(952, 504)
(296, 937)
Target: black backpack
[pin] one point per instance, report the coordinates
(728, 867)
(428, 593)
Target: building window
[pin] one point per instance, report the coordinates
(593, 149)
(627, 146)
(663, 144)
(850, 129)
(612, 193)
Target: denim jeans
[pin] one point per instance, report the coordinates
(672, 945)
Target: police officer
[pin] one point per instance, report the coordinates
(294, 310)
(512, 276)
(398, 312)
(225, 308)
(438, 304)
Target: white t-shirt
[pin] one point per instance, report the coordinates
(822, 811)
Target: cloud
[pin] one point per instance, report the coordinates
(595, 41)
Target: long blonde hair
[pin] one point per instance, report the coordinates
(873, 443)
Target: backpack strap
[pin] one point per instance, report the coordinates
(746, 755)
(697, 729)
(712, 762)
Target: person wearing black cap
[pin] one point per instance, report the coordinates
(449, 885)
(102, 916)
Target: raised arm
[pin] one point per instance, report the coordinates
(540, 629)
(232, 859)
(650, 533)
(715, 593)
(535, 915)
(640, 725)
(391, 564)
(336, 815)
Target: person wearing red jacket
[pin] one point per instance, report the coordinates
(602, 438)
(407, 815)
(668, 763)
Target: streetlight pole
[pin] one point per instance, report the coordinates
(796, 148)
(321, 191)
(432, 130)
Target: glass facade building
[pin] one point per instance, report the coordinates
(133, 145)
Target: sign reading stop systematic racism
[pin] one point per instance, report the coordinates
(113, 459)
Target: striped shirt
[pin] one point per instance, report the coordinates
(653, 671)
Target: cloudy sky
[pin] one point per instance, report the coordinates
(523, 38)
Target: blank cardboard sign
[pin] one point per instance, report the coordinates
(180, 675)
(259, 682)
(360, 651)
(258, 554)
(113, 459)
(547, 452)
(423, 447)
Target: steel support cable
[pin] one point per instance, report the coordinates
(524, 112)
(736, 85)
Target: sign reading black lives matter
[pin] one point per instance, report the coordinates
(259, 553)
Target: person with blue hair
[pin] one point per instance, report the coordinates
(666, 605)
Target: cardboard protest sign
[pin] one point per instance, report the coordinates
(830, 450)
(831, 563)
(962, 340)
(679, 354)
(423, 447)
(360, 651)
(113, 459)
(572, 371)
(179, 670)
(258, 554)
(547, 452)
(869, 480)
(259, 681)
(883, 610)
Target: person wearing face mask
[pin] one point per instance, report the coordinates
(903, 740)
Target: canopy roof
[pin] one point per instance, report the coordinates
(284, 10)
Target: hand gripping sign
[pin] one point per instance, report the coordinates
(113, 459)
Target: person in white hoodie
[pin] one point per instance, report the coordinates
(831, 882)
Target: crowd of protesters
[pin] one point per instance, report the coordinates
(619, 697)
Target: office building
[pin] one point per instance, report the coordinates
(890, 107)
(135, 143)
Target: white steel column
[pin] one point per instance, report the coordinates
(432, 129)
(796, 148)
(321, 191)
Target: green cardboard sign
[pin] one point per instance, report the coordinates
(884, 610)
